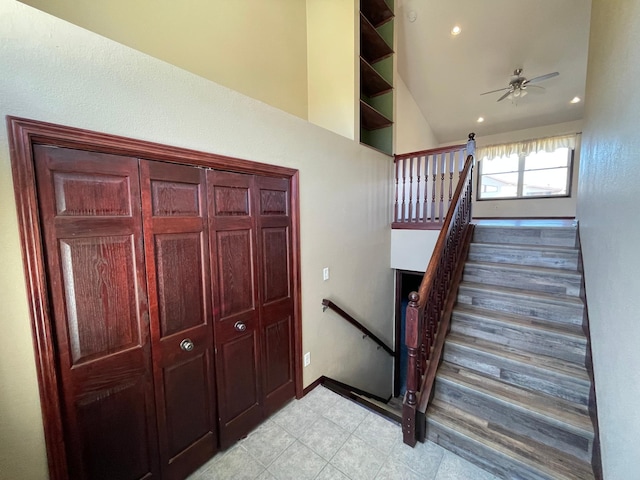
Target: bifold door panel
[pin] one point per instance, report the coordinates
(92, 225)
(237, 322)
(174, 206)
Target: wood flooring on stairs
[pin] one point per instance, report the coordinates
(512, 392)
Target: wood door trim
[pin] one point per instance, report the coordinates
(23, 134)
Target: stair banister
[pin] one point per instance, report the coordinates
(429, 309)
(421, 180)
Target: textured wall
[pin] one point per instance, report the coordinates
(333, 69)
(57, 72)
(609, 227)
(413, 133)
(254, 47)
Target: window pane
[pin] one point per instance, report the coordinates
(500, 165)
(499, 185)
(545, 182)
(539, 160)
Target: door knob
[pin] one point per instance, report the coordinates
(186, 345)
(240, 326)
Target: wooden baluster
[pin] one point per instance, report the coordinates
(412, 340)
(404, 190)
(411, 213)
(433, 187)
(418, 197)
(395, 208)
(425, 204)
(442, 165)
(452, 156)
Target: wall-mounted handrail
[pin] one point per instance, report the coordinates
(329, 304)
(424, 185)
(429, 309)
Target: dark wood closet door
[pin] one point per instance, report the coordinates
(90, 215)
(174, 204)
(236, 320)
(272, 204)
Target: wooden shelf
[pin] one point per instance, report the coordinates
(376, 11)
(372, 83)
(371, 119)
(372, 46)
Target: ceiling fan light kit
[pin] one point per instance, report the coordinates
(518, 84)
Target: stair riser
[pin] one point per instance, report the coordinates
(562, 313)
(526, 257)
(531, 341)
(521, 375)
(518, 422)
(556, 237)
(525, 280)
(486, 458)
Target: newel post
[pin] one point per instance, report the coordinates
(413, 337)
(471, 144)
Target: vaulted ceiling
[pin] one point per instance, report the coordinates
(446, 74)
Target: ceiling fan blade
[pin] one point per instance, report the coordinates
(505, 95)
(542, 77)
(494, 91)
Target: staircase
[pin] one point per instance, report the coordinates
(512, 392)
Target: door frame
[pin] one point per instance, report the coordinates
(23, 134)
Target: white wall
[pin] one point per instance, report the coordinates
(60, 73)
(412, 131)
(412, 249)
(610, 231)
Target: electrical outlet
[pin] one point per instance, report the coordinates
(307, 358)
(325, 273)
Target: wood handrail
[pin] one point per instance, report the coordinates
(431, 151)
(429, 309)
(329, 304)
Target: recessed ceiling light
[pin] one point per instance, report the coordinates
(456, 30)
(576, 100)
(480, 119)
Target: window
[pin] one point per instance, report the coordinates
(525, 175)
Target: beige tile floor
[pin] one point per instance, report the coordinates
(324, 436)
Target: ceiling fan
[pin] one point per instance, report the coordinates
(518, 84)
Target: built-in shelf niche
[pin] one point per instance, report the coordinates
(376, 74)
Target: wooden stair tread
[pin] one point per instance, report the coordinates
(571, 415)
(534, 455)
(555, 365)
(557, 272)
(485, 315)
(527, 294)
(528, 246)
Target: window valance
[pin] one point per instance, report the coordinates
(525, 147)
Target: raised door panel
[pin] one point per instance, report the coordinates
(276, 299)
(235, 293)
(179, 281)
(90, 214)
(177, 257)
(99, 283)
(276, 279)
(235, 254)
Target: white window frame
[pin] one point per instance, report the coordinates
(520, 186)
